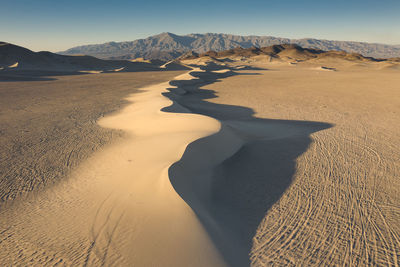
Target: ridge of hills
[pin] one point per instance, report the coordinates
(288, 52)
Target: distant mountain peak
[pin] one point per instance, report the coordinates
(167, 34)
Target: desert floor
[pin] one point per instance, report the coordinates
(266, 164)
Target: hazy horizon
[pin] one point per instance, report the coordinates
(57, 26)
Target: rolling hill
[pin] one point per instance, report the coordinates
(283, 52)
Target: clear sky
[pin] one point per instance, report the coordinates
(56, 25)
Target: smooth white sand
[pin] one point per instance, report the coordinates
(119, 207)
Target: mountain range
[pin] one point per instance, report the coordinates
(168, 46)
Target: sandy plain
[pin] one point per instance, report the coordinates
(247, 163)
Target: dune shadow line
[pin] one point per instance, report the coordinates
(232, 178)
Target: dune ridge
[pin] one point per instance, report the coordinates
(149, 199)
(231, 204)
(119, 207)
(191, 148)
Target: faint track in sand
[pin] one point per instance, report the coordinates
(362, 237)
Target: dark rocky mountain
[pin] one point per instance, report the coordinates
(167, 46)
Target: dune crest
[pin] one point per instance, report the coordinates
(120, 203)
(13, 65)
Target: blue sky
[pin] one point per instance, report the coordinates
(56, 25)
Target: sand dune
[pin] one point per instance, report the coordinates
(391, 66)
(13, 65)
(173, 65)
(231, 215)
(124, 197)
(49, 126)
(235, 163)
(324, 68)
(115, 209)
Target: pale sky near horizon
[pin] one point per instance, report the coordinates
(59, 25)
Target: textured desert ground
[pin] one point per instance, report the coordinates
(234, 163)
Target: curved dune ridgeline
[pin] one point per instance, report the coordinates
(48, 127)
(232, 178)
(163, 196)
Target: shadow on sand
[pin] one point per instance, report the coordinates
(50, 75)
(232, 178)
